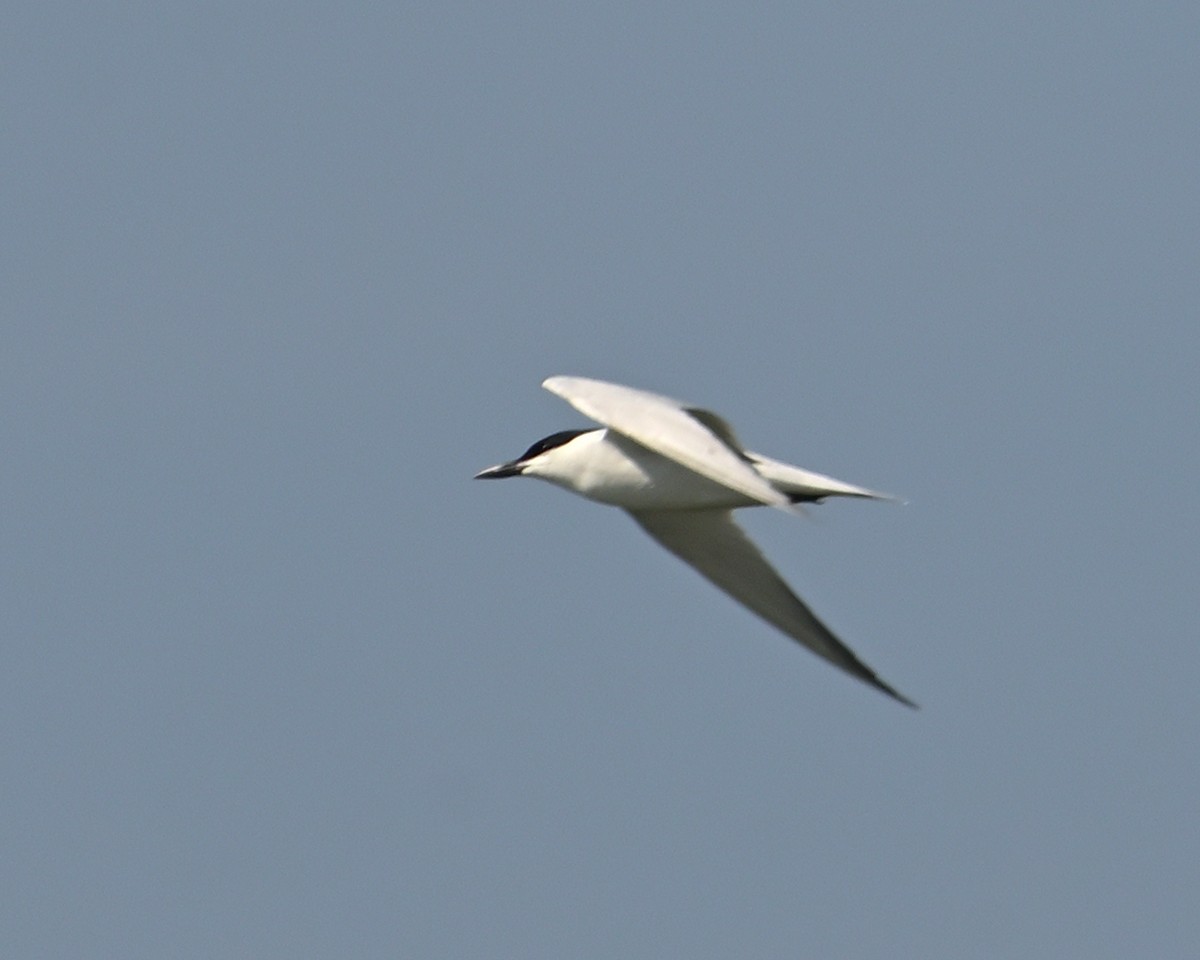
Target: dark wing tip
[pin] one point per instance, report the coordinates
(895, 694)
(855, 667)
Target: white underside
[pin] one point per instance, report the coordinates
(610, 468)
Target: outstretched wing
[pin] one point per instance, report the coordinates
(698, 440)
(714, 545)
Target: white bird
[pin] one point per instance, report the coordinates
(680, 472)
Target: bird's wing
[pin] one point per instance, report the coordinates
(698, 440)
(714, 545)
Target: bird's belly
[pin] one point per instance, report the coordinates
(648, 481)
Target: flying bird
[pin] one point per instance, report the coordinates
(680, 472)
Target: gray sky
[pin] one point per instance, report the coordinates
(279, 680)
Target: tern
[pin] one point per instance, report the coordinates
(680, 472)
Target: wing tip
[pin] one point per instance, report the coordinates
(559, 383)
(911, 704)
(858, 669)
(891, 692)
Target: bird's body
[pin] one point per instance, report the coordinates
(612, 469)
(680, 472)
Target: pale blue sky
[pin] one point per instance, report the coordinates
(279, 680)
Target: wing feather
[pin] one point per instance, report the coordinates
(700, 441)
(716, 547)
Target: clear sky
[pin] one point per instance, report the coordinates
(279, 680)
